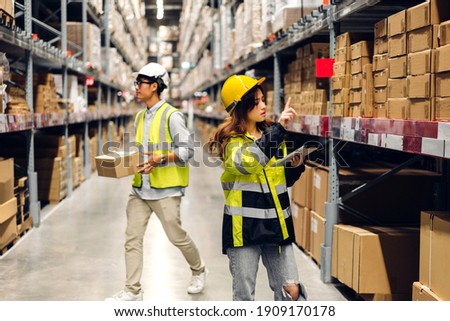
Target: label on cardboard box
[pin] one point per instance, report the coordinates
(421, 63)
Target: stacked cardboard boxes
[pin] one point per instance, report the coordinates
(442, 110)
(8, 204)
(361, 96)
(309, 95)
(396, 103)
(52, 156)
(422, 42)
(22, 194)
(380, 64)
(341, 76)
(434, 256)
(376, 260)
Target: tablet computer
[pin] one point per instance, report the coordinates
(304, 150)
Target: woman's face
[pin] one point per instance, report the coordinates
(258, 113)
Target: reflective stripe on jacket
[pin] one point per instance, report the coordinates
(257, 206)
(160, 142)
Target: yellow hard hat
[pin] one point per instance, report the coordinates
(235, 87)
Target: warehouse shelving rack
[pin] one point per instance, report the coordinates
(418, 138)
(20, 45)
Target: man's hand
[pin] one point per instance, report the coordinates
(297, 160)
(153, 162)
(288, 114)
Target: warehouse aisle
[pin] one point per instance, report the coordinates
(77, 252)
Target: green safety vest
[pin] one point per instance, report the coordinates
(170, 174)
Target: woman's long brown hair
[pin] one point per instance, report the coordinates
(236, 124)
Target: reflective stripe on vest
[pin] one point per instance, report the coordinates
(160, 142)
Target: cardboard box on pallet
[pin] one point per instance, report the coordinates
(397, 23)
(397, 45)
(302, 189)
(367, 88)
(420, 109)
(442, 110)
(397, 88)
(381, 29)
(398, 67)
(376, 260)
(443, 84)
(340, 82)
(421, 86)
(443, 59)
(380, 78)
(444, 33)
(6, 179)
(380, 62)
(397, 108)
(423, 39)
(420, 63)
(381, 46)
(427, 13)
(317, 236)
(357, 64)
(361, 49)
(434, 254)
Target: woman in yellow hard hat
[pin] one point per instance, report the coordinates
(257, 220)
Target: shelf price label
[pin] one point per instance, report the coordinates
(89, 81)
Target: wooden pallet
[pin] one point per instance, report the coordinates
(8, 244)
(6, 19)
(23, 228)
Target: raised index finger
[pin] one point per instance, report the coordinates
(288, 103)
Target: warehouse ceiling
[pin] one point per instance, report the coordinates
(172, 11)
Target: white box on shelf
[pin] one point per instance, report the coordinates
(432, 146)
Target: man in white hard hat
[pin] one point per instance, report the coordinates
(160, 183)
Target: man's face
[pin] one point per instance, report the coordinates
(144, 88)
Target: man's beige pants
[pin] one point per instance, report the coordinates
(168, 212)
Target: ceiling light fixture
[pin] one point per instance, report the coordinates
(159, 9)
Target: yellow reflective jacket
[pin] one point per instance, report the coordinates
(160, 141)
(257, 206)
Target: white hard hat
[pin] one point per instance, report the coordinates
(154, 70)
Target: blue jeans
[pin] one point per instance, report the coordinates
(279, 262)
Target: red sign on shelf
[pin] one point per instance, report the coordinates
(89, 81)
(324, 67)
